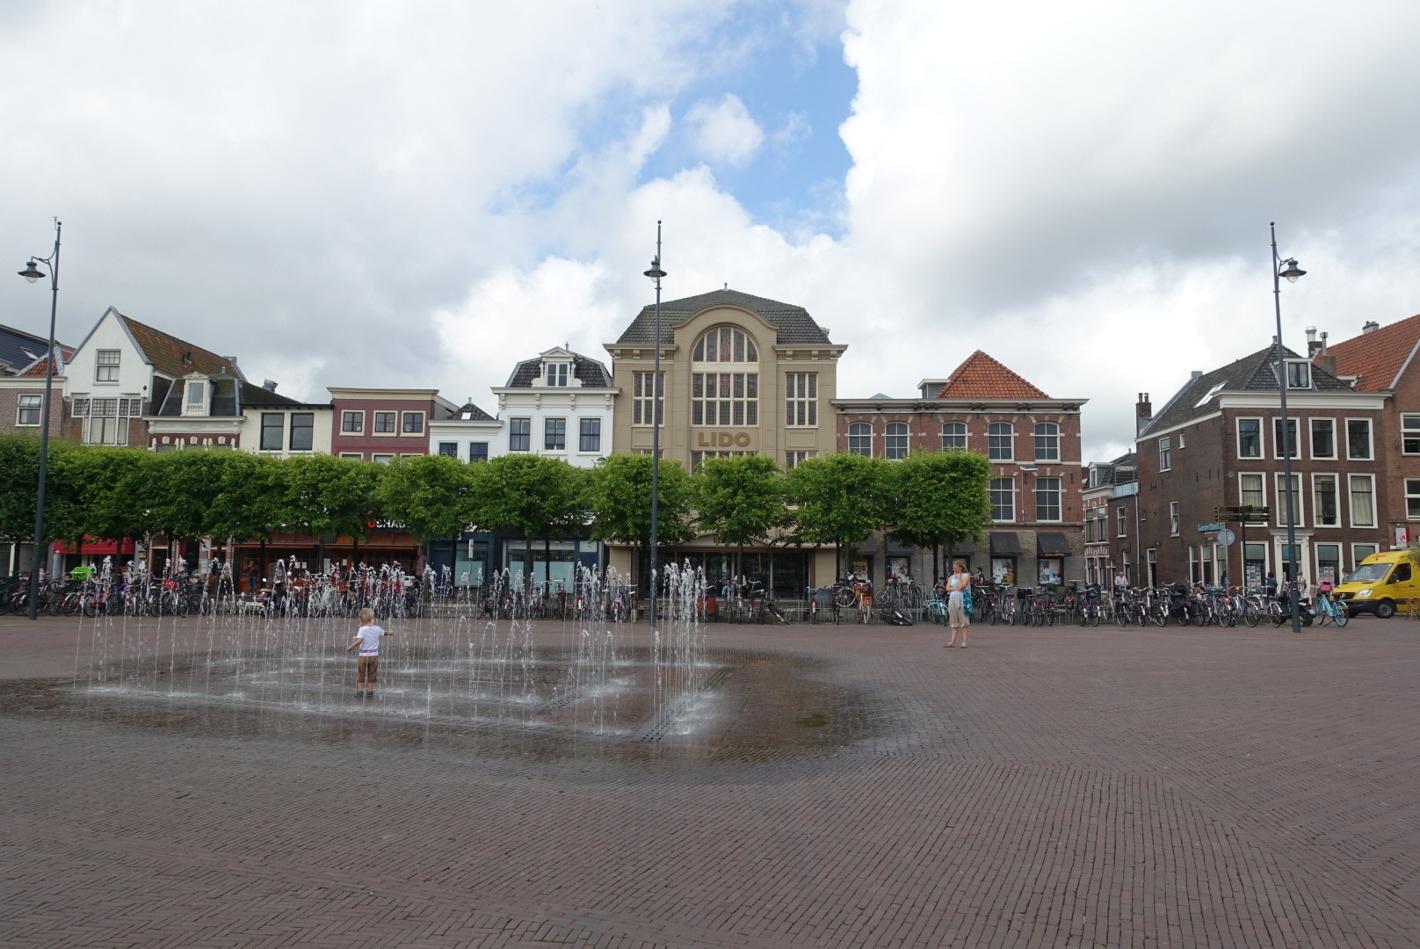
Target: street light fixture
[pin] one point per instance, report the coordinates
(33, 273)
(1285, 268)
(656, 273)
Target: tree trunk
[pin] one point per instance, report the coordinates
(547, 562)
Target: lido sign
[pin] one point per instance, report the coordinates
(722, 439)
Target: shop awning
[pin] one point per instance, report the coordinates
(1052, 544)
(1005, 545)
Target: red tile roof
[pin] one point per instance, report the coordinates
(981, 377)
(1375, 358)
(166, 352)
(36, 368)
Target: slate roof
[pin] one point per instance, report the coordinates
(19, 349)
(981, 377)
(176, 357)
(1254, 372)
(593, 374)
(468, 412)
(792, 323)
(1376, 358)
(229, 397)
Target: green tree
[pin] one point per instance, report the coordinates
(838, 500)
(619, 498)
(431, 495)
(739, 500)
(19, 480)
(527, 496)
(937, 498)
(328, 496)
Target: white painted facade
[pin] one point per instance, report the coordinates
(258, 418)
(467, 436)
(530, 414)
(129, 382)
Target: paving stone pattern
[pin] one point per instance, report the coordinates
(1056, 787)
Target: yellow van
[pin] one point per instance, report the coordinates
(1385, 582)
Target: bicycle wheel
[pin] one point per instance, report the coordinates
(1252, 615)
(1340, 615)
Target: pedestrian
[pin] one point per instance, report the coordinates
(957, 585)
(367, 666)
(1271, 585)
(1303, 590)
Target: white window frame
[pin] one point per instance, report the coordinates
(582, 434)
(451, 452)
(382, 458)
(358, 414)
(198, 406)
(527, 420)
(645, 405)
(37, 408)
(1351, 500)
(1335, 497)
(1409, 494)
(1287, 373)
(1279, 512)
(1407, 429)
(1121, 525)
(353, 455)
(852, 435)
(556, 375)
(261, 430)
(890, 451)
(1242, 493)
(100, 366)
(1165, 453)
(1010, 493)
(375, 423)
(1010, 437)
(801, 400)
(1340, 563)
(792, 459)
(405, 415)
(1370, 440)
(1059, 500)
(1173, 518)
(1052, 440)
(1277, 441)
(965, 436)
(1311, 435)
(1261, 438)
(548, 435)
(1357, 556)
(79, 406)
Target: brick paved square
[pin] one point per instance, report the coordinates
(1045, 787)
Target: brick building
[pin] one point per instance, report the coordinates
(1032, 442)
(1382, 360)
(382, 424)
(1218, 442)
(1111, 504)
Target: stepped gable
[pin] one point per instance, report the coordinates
(792, 323)
(981, 377)
(166, 352)
(1376, 358)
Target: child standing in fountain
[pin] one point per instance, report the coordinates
(367, 640)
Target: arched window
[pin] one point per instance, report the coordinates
(860, 439)
(1000, 442)
(724, 378)
(953, 435)
(895, 441)
(1047, 441)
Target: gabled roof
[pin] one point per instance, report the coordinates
(793, 324)
(175, 357)
(592, 373)
(981, 377)
(1254, 372)
(468, 412)
(20, 350)
(1376, 358)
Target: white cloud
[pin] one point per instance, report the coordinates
(724, 132)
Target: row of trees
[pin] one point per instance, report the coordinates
(925, 500)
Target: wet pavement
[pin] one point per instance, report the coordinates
(815, 786)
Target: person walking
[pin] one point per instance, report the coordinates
(367, 666)
(957, 585)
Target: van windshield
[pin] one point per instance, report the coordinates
(1370, 573)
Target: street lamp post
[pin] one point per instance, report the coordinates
(1285, 268)
(33, 273)
(656, 273)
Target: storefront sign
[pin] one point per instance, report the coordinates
(722, 439)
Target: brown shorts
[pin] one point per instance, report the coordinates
(367, 669)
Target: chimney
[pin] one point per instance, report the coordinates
(1195, 375)
(1313, 345)
(1143, 412)
(1369, 327)
(1324, 359)
(269, 385)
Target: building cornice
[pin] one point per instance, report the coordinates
(960, 405)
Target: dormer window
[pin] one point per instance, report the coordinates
(196, 393)
(557, 374)
(1299, 374)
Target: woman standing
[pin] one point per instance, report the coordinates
(958, 583)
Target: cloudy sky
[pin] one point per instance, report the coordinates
(423, 193)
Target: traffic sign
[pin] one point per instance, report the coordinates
(1226, 537)
(1209, 528)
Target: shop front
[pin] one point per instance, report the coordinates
(1005, 556)
(253, 562)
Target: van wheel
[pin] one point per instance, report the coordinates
(1385, 609)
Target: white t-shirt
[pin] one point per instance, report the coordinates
(369, 637)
